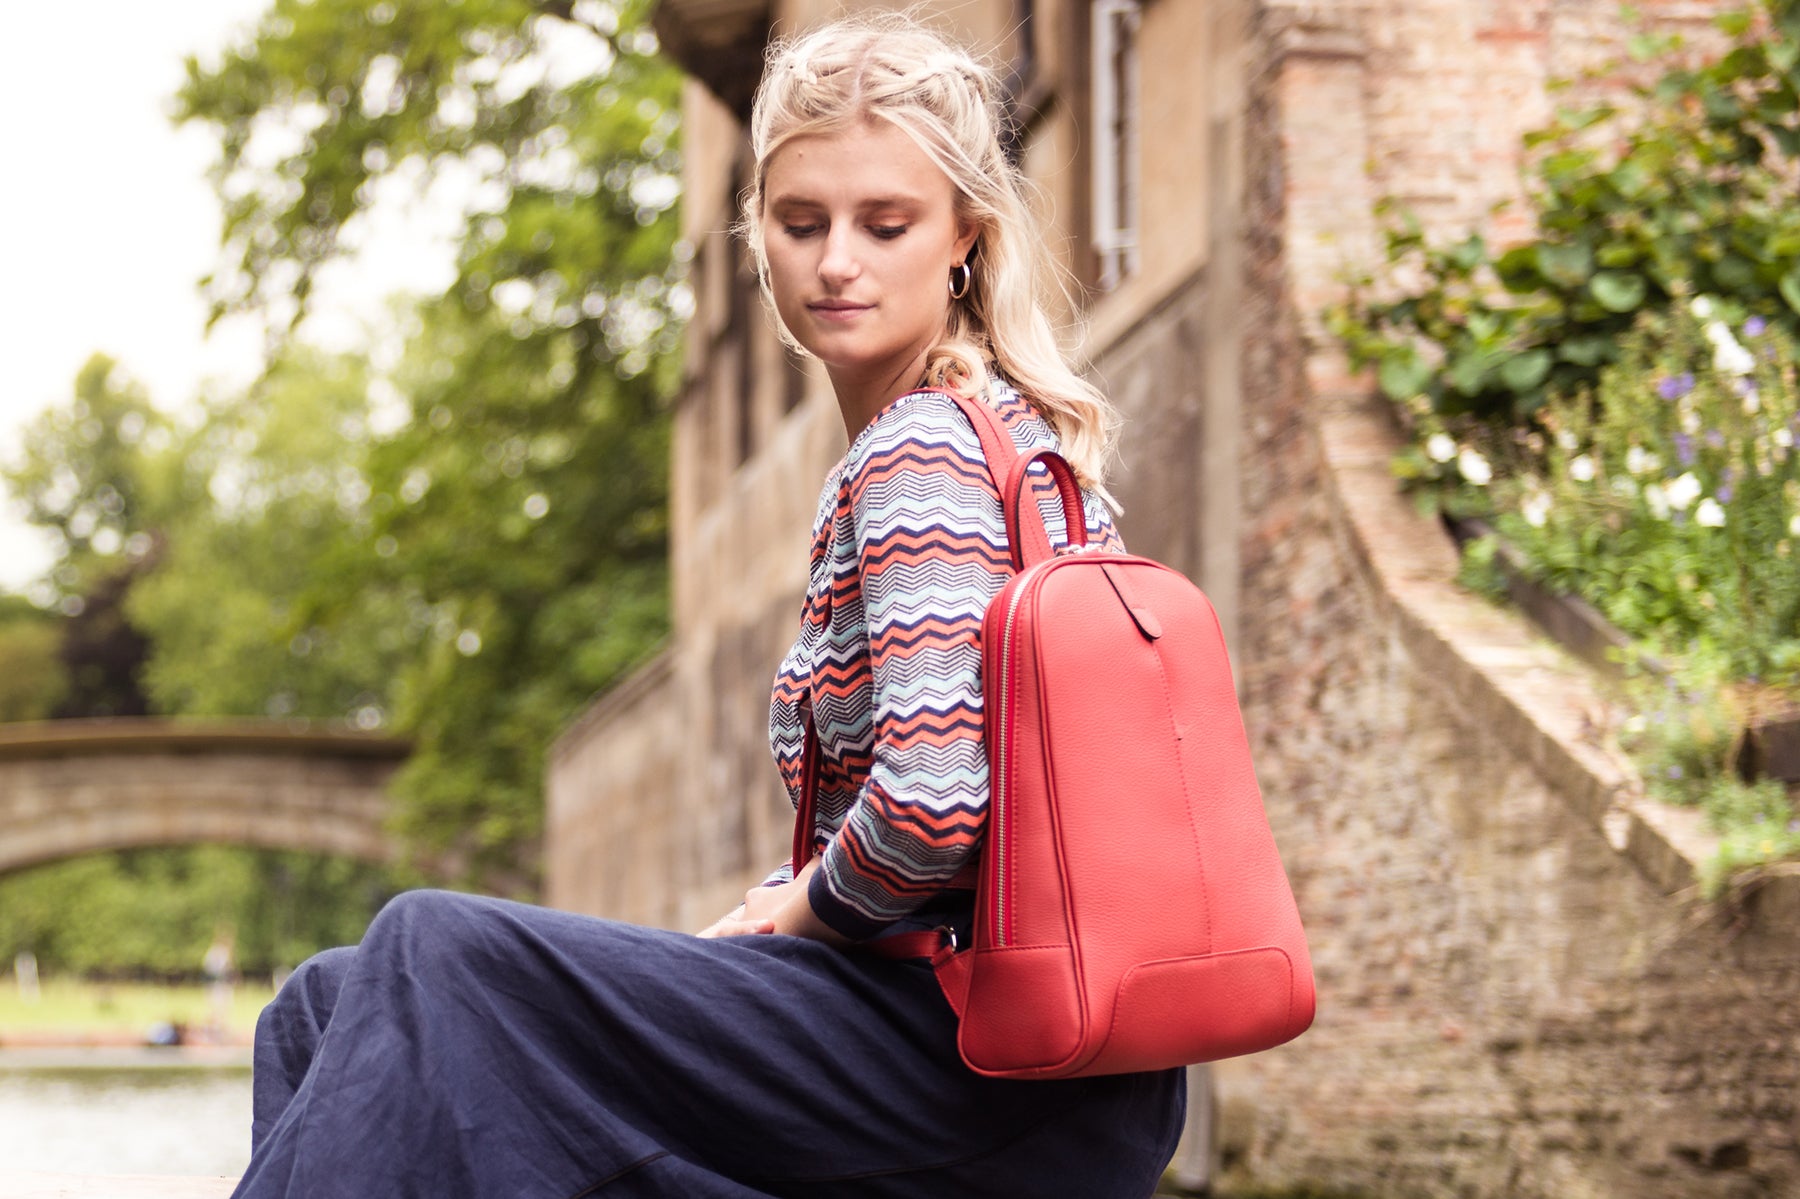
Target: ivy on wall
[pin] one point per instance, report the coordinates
(1689, 191)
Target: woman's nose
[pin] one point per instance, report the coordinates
(838, 262)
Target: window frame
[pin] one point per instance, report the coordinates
(1115, 109)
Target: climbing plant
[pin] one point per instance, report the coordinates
(1617, 390)
(1688, 190)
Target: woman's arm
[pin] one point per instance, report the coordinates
(930, 544)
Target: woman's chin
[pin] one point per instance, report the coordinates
(850, 360)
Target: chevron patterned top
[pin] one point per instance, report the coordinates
(908, 547)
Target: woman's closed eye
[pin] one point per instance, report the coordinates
(883, 232)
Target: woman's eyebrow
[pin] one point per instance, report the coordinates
(908, 202)
(790, 200)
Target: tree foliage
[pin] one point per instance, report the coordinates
(504, 558)
(560, 115)
(153, 912)
(97, 472)
(287, 505)
(33, 682)
(456, 532)
(100, 473)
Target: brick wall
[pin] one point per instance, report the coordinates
(1509, 1005)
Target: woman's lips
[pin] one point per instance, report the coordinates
(838, 310)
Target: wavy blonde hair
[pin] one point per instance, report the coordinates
(888, 66)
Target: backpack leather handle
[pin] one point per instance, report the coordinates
(1027, 540)
(1029, 549)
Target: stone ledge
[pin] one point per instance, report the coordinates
(622, 696)
(111, 1186)
(1506, 677)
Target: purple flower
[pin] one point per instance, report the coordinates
(1684, 449)
(1674, 772)
(1754, 326)
(1674, 387)
(1715, 439)
(1724, 493)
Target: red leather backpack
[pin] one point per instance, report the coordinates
(1131, 908)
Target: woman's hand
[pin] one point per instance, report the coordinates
(791, 911)
(736, 924)
(778, 909)
(757, 913)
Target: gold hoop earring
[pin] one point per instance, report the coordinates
(958, 291)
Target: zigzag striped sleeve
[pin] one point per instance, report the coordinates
(931, 547)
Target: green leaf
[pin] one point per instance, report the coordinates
(1790, 288)
(1567, 265)
(1467, 372)
(1630, 178)
(1721, 106)
(1523, 372)
(1734, 274)
(1735, 24)
(1783, 244)
(1585, 350)
(1617, 291)
(1618, 254)
(1469, 253)
(1403, 375)
(1518, 269)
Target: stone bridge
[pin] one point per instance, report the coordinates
(71, 787)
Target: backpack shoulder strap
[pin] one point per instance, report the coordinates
(1028, 540)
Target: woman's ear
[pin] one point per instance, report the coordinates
(965, 241)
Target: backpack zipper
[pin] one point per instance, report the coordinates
(1002, 888)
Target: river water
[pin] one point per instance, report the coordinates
(124, 1112)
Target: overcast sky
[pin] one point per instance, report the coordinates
(109, 221)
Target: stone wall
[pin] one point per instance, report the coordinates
(1155, 374)
(1512, 1001)
(611, 787)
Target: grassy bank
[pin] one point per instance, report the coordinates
(120, 1009)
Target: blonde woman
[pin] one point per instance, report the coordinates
(483, 1048)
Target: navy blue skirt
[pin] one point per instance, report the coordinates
(477, 1047)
